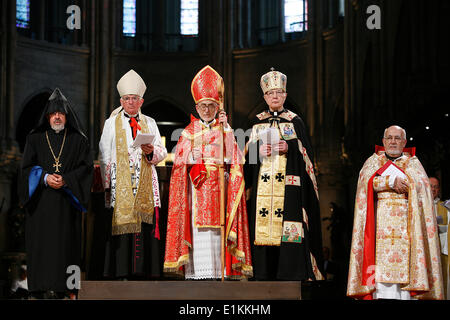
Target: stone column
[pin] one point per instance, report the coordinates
(9, 151)
(102, 53)
(216, 33)
(3, 61)
(10, 68)
(312, 57)
(159, 15)
(91, 27)
(228, 74)
(40, 28)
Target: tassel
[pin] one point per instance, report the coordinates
(157, 235)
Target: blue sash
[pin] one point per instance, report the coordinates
(33, 182)
(33, 179)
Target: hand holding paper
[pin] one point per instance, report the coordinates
(401, 180)
(281, 147)
(271, 143)
(143, 138)
(265, 150)
(269, 136)
(147, 148)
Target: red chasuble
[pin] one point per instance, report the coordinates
(204, 176)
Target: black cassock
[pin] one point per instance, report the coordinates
(53, 220)
(288, 261)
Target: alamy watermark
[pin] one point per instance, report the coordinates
(374, 20)
(241, 137)
(74, 279)
(74, 20)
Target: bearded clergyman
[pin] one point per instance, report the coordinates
(56, 177)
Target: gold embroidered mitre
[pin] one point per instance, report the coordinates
(207, 85)
(273, 80)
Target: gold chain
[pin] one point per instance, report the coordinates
(60, 151)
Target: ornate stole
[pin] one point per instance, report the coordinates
(270, 201)
(130, 210)
(442, 211)
(392, 253)
(271, 190)
(206, 198)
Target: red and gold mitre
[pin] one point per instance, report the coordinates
(207, 84)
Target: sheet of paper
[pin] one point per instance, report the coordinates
(446, 204)
(269, 136)
(142, 138)
(393, 171)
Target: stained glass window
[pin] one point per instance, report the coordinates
(23, 14)
(295, 15)
(341, 8)
(189, 17)
(129, 18)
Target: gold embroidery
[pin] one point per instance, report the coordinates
(254, 137)
(316, 271)
(287, 130)
(235, 206)
(393, 236)
(390, 195)
(270, 201)
(130, 210)
(200, 133)
(309, 167)
(387, 183)
(392, 245)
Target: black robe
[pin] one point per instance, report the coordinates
(289, 261)
(53, 222)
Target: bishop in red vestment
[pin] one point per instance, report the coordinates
(193, 226)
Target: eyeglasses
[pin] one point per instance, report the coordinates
(396, 138)
(205, 107)
(277, 92)
(131, 98)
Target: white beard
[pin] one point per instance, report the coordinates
(57, 127)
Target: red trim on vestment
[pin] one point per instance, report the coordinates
(369, 229)
(157, 234)
(369, 235)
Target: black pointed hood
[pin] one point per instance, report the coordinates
(59, 103)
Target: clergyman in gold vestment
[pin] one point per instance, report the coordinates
(442, 221)
(395, 245)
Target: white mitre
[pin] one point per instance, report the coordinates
(131, 83)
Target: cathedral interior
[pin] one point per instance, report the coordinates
(354, 68)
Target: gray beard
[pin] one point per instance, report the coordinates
(57, 127)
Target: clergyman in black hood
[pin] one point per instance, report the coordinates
(54, 188)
